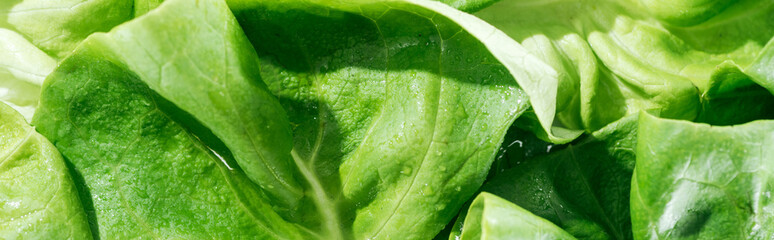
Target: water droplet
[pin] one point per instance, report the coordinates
(406, 170)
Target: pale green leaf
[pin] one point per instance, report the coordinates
(22, 70)
(38, 199)
(491, 217)
(695, 181)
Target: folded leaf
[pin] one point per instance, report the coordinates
(147, 170)
(686, 12)
(22, 69)
(57, 26)
(396, 105)
(615, 58)
(491, 217)
(695, 181)
(391, 134)
(210, 70)
(145, 175)
(38, 199)
(733, 97)
(584, 188)
(761, 70)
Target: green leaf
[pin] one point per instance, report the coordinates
(695, 181)
(210, 71)
(22, 69)
(615, 58)
(537, 79)
(519, 146)
(147, 170)
(57, 26)
(583, 189)
(145, 175)
(491, 217)
(686, 12)
(734, 98)
(468, 5)
(395, 105)
(38, 199)
(761, 70)
(393, 128)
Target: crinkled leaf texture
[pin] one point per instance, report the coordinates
(616, 58)
(584, 188)
(491, 217)
(695, 181)
(38, 199)
(377, 120)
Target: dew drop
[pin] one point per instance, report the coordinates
(406, 170)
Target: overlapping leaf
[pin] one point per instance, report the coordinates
(695, 181)
(38, 198)
(393, 128)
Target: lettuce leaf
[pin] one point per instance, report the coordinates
(383, 119)
(695, 181)
(58, 26)
(616, 58)
(583, 188)
(491, 217)
(38, 198)
(22, 70)
(145, 175)
(393, 128)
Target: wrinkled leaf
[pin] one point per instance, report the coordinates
(695, 181)
(584, 188)
(615, 58)
(374, 114)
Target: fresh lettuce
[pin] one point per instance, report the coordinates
(386, 119)
(38, 197)
(680, 189)
(23, 67)
(58, 26)
(370, 129)
(491, 217)
(615, 59)
(583, 188)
